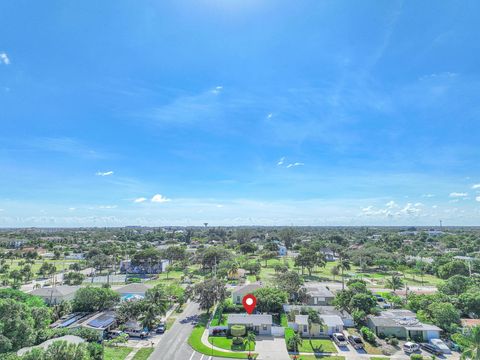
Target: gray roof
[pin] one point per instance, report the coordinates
(321, 309)
(55, 291)
(71, 339)
(400, 318)
(301, 319)
(247, 289)
(134, 288)
(245, 319)
(317, 290)
(332, 320)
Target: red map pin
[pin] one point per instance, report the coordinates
(249, 302)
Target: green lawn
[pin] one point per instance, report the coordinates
(59, 264)
(195, 341)
(226, 343)
(216, 322)
(317, 345)
(116, 353)
(143, 354)
(170, 322)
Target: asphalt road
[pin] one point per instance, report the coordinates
(174, 343)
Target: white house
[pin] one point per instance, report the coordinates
(330, 325)
(260, 324)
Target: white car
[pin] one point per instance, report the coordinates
(410, 347)
(340, 339)
(440, 345)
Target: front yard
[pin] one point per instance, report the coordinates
(313, 345)
(116, 353)
(227, 344)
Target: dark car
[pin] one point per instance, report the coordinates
(160, 329)
(431, 349)
(356, 342)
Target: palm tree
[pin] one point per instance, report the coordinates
(395, 283)
(249, 340)
(344, 264)
(149, 316)
(233, 269)
(472, 350)
(313, 318)
(294, 342)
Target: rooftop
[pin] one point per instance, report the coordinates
(245, 319)
(318, 290)
(401, 318)
(61, 290)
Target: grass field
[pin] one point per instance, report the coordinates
(116, 353)
(143, 354)
(317, 345)
(227, 344)
(59, 264)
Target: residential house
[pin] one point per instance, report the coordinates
(347, 319)
(330, 324)
(403, 324)
(240, 291)
(57, 294)
(126, 266)
(101, 322)
(318, 294)
(260, 324)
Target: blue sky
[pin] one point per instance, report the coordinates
(239, 112)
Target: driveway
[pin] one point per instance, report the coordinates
(271, 348)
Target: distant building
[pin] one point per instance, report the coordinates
(347, 319)
(318, 294)
(101, 322)
(403, 324)
(133, 291)
(75, 256)
(282, 250)
(126, 266)
(57, 294)
(239, 292)
(260, 324)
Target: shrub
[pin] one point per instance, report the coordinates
(416, 357)
(237, 330)
(237, 341)
(368, 335)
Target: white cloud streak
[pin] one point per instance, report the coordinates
(106, 173)
(4, 59)
(158, 198)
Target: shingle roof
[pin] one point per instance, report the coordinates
(134, 288)
(318, 290)
(61, 290)
(247, 289)
(246, 319)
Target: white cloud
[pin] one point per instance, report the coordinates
(159, 199)
(458, 195)
(428, 195)
(217, 90)
(281, 161)
(476, 186)
(269, 116)
(140, 200)
(72, 209)
(2, 210)
(411, 209)
(295, 164)
(477, 198)
(107, 207)
(4, 58)
(391, 204)
(106, 173)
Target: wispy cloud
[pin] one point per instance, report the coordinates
(217, 90)
(65, 145)
(281, 161)
(477, 198)
(4, 59)
(158, 198)
(107, 207)
(140, 200)
(476, 186)
(458, 194)
(295, 164)
(106, 173)
(428, 195)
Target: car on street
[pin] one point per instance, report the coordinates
(356, 341)
(339, 339)
(142, 334)
(112, 334)
(160, 329)
(410, 347)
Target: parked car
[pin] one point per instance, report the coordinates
(160, 328)
(112, 334)
(142, 334)
(410, 347)
(441, 346)
(431, 349)
(339, 339)
(453, 346)
(356, 341)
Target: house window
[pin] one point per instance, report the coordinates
(238, 299)
(265, 327)
(305, 328)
